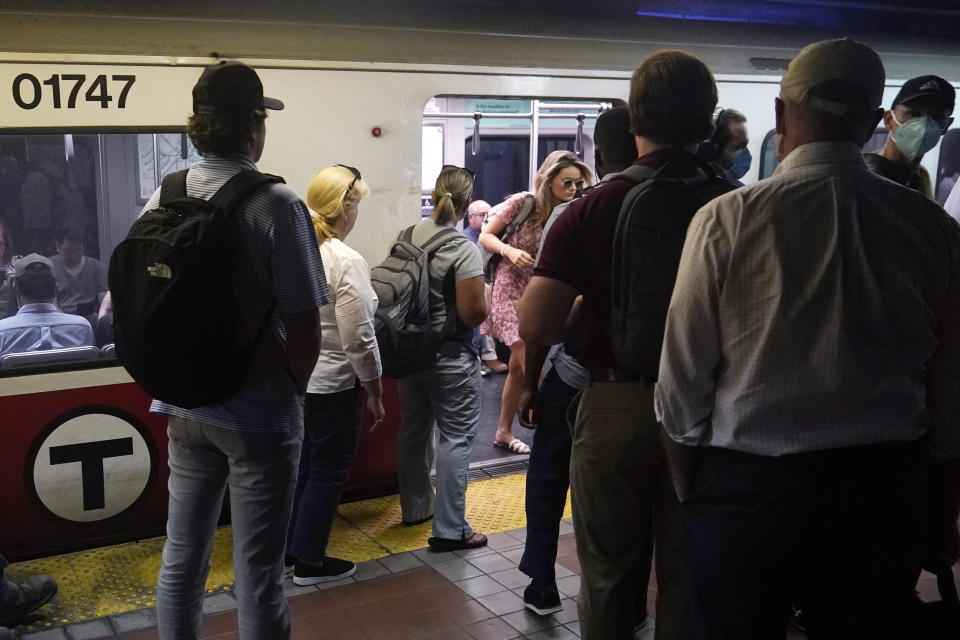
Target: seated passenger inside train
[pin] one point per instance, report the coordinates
(39, 325)
(81, 279)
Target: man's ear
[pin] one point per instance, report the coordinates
(887, 116)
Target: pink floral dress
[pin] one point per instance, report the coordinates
(510, 280)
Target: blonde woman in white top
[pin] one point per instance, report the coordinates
(348, 353)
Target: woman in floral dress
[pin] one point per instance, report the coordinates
(561, 176)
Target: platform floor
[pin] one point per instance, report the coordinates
(491, 388)
(401, 590)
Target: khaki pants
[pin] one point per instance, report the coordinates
(623, 502)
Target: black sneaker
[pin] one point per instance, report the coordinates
(20, 599)
(542, 598)
(332, 569)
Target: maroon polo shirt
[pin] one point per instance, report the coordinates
(578, 251)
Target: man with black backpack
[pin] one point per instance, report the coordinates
(242, 271)
(622, 498)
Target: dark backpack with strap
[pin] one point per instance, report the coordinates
(650, 232)
(177, 325)
(491, 260)
(411, 328)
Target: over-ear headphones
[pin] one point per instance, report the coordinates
(711, 148)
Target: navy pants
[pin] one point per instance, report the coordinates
(548, 478)
(331, 436)
(840, 531)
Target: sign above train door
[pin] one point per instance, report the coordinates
(90, 464)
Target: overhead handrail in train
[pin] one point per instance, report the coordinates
(534, 116)
(475, 143)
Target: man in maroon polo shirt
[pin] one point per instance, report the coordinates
(622, 497)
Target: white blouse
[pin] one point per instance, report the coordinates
(348, 349)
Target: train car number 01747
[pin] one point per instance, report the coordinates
(64, 90)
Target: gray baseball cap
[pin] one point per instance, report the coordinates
(33, 263)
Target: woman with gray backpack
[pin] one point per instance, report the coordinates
(448, 391)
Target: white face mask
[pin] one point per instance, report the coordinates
(916, 136)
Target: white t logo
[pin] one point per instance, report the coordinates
(91, 467)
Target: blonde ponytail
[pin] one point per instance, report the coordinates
(326, 192)
(444, 211)
(453, 189)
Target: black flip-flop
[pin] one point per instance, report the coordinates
(450, 544)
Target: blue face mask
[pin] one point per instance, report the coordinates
(916, 136)
(741, 163)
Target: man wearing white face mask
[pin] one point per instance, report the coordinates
(920, 115)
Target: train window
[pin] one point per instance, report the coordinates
(768, 154)
(72, 197)
(492, 137)
(875, 143)
(948, 169)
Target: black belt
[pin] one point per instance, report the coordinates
(614, 375)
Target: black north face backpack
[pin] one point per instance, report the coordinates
(176, 322)
(650, 232)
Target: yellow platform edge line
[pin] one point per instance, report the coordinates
(123, 578)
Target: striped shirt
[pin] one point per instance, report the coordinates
(277, 258)
(817, 309)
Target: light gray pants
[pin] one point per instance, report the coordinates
(448, 394)
(261, 471)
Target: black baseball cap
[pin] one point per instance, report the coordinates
(923, 86)
(230, 88)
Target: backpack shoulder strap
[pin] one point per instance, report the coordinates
(174, 186)
(638, 173)
(439, 239)
(239, 187)
(527, 208)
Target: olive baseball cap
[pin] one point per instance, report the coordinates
(842, 61)
(33, 263)
(230, 88)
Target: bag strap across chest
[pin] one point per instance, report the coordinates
(227, 198)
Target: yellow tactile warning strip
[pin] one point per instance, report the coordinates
(122, 578)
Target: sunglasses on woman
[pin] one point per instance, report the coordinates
(570, 182)
(453, 167)
(356, 175)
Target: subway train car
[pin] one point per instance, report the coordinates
(92, 118)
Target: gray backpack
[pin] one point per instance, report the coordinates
(410, 330)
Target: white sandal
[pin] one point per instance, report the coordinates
(516, 446)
